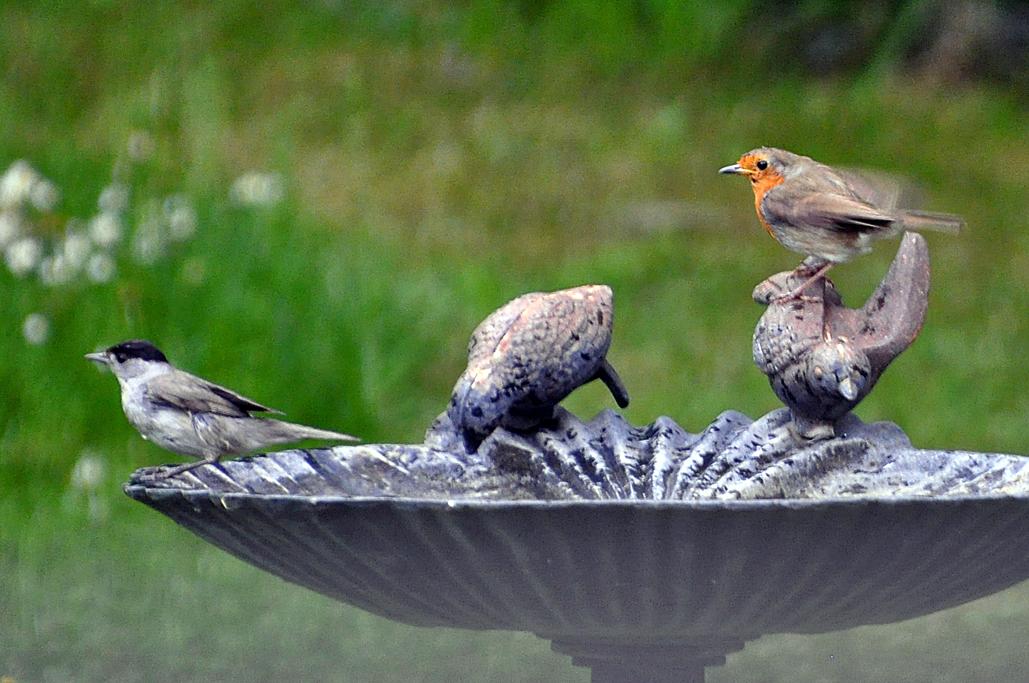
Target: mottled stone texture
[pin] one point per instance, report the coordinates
(823, 358)
(531, 353)
(607, 458)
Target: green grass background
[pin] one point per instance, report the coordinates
(440, 159)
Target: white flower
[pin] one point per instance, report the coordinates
(87, 476)
(10, 227)
(46, 271)
(56, 270)
(101, 268)
(148, 242)
(36, 329)
(114, 198)
(89, 471)
(105, 229)
(75, 249)
(257, 189)
(23, 255)
(16, 183)
(181, 217)
(44, 195)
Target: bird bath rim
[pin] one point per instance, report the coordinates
(160, 492)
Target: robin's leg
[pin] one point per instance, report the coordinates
(797, 292)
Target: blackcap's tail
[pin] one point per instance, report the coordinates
(288, 431)
(279, 432)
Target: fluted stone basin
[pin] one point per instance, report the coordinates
(645, 553)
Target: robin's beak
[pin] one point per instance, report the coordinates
(735, 169)
(100, 358)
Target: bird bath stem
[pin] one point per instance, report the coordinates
(671, 662)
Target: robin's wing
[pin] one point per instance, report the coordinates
(824, 210)
(884, 191)
(191, 393)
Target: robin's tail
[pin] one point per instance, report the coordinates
(927, 220)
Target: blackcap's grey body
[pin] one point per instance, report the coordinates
(188, 415)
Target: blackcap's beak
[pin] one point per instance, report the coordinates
(733, 169)
(100, 358)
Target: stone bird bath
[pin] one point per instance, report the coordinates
(645, 553)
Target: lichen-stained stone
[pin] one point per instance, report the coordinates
(529, 355)
(823, 358)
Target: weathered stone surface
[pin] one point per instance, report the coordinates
(823, 358)
(531, 353)
(607, 458)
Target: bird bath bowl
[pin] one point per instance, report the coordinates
(729, 535)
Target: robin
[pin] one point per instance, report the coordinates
(829, 215)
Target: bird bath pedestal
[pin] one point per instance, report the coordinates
(645, 553)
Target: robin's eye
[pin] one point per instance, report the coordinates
(762, 165)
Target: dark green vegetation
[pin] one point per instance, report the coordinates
(438, 162)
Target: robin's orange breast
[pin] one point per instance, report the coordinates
(761, 186)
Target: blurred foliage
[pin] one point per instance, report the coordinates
(748, 40)
(439, 159)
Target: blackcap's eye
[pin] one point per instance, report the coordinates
(762, 165)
